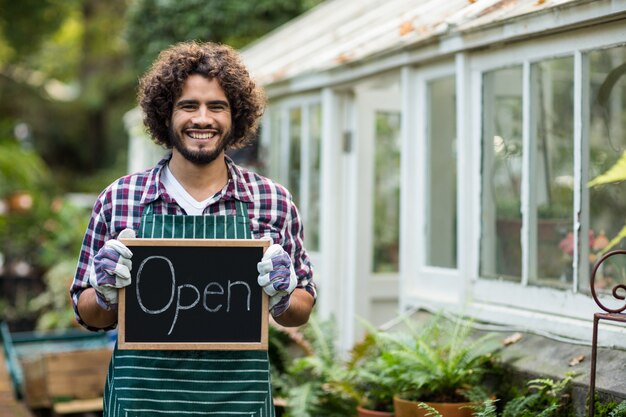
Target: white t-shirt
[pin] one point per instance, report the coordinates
(182, 197)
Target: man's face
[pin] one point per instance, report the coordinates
(201, 120)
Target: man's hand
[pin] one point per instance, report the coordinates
(110, 270)
(277, 277)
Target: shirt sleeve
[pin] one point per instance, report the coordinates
(293, 237)
(95, 236)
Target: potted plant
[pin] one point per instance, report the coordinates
(311, 381)
(442, 365)
(366, 379)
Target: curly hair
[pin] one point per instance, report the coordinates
(163, 83)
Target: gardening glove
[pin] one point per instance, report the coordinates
(110, 270)
(277, 277)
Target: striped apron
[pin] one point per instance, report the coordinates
(143, 383)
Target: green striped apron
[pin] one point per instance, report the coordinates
(189, 383)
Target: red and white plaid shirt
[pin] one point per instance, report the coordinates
(271, 211)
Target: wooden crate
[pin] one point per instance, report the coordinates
(63, 370)
(34, 383)
(9, 406)
(76, 375)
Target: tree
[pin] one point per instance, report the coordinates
(65, 74)
(69, 69)
(155, 24)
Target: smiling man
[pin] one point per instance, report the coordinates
(201, 120)
(198, 100)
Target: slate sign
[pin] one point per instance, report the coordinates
(194, 294)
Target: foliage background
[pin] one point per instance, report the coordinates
(68, 74)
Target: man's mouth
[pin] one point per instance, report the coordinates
(204, 135)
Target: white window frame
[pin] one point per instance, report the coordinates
(436, 282)
(540, 309)
(281, 173)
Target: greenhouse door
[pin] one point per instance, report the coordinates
(376, 182)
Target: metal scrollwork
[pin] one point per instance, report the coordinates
(612, 314)
(615, 290)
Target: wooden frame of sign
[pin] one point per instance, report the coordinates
(194, 294)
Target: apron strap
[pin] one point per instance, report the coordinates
(240, 209)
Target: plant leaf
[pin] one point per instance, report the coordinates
(617, 173)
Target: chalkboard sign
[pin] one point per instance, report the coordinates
(194, 294)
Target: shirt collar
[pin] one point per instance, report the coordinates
(153, 188)
(236, 186)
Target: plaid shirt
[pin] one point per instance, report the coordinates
(271, 210)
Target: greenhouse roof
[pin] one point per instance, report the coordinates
(348, 32)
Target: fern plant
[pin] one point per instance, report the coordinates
(312, 380)
(609, 408)
(485, 409)
(439, 363)
(619, 411)
(544, 398)
(366, 378)
(430, 412)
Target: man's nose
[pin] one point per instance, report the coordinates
(202, 116)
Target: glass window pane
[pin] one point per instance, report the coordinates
(387, 192)
(441, 218)
(501, 174)
(315, 138)
(275, 149)
(607, 147)
(552, 173)
(295, 140)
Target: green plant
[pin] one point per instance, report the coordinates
(430, 412)
(366, 379)
(20, 169)
(285, 344)
(619, 410)
(485, 409)
(440, 363)
(312, 380)
(38, 238)
(544, 397)
(54, 305)
(609, 408)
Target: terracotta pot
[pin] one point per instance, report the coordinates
(364, 412)
(404, 408)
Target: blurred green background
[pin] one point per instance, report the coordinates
(68, 74)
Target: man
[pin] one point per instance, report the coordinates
(198, 100)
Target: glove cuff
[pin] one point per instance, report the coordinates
(281, 306)
(102, 302)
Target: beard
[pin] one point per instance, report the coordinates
(200, 156)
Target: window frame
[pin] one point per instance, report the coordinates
(515, 305)
(436, 281)
(281, 173)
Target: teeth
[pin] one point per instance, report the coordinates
(197, 135)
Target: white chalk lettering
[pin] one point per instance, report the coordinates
(207, 292)
(182, 307)
(230, 285)
(214, 295)
(172, 275)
